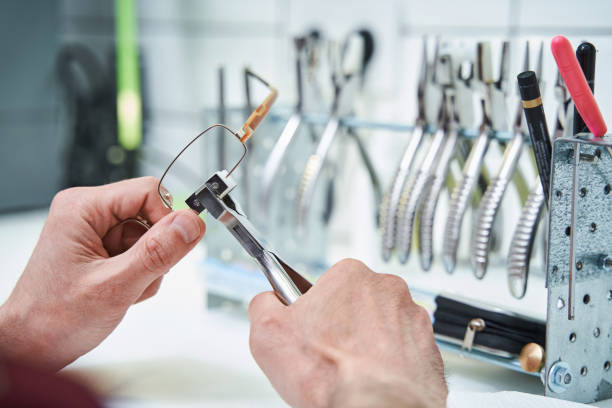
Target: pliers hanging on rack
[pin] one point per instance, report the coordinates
(273, 163)
(519, 254)
(487, 210)
(347, 66)
(391, 199)
(411, 197)
(460, 116)
(493, 94)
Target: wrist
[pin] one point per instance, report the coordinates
(18, 340)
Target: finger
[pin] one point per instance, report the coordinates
(126, 199)
(151, 290)
(120, 238)
(264, 305)
(159, 249)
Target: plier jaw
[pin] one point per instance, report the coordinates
(214, 197)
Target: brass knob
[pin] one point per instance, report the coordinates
(532, 357)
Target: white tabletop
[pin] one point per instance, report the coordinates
(171, 351)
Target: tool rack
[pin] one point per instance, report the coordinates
(579, 350)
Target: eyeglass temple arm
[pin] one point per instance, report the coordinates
(257, 116)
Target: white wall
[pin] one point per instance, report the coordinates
(184, 42)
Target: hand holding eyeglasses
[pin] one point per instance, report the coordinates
(90, 266)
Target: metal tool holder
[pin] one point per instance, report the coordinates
(579, 271)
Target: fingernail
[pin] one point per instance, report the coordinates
(187, 226)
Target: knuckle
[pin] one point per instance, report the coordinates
(150, 180)
(422, 316)
(268, 322)
(352, 264)
(63, 197)
(395, 289)
(393, 281)
(316, 394)
(154, 256)
(263, 328)
(347, 267)
(395, 284)
(67, 203)
(421, 321)
(254, 304)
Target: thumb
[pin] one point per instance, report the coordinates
(160, 248)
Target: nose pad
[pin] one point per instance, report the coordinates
(166, 197)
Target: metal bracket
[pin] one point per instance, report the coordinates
(579, 344)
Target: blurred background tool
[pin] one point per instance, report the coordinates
(391, 200)
(577, 85)
(586, 55)
(410, 199)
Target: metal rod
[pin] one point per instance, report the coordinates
(572, 248)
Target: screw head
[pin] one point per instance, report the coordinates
(559, 377)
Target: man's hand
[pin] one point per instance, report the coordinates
(84, 273)
(355, 339)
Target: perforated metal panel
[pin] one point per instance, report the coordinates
(579, 351)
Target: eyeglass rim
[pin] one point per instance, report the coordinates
(247, 130)
(244, 153)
